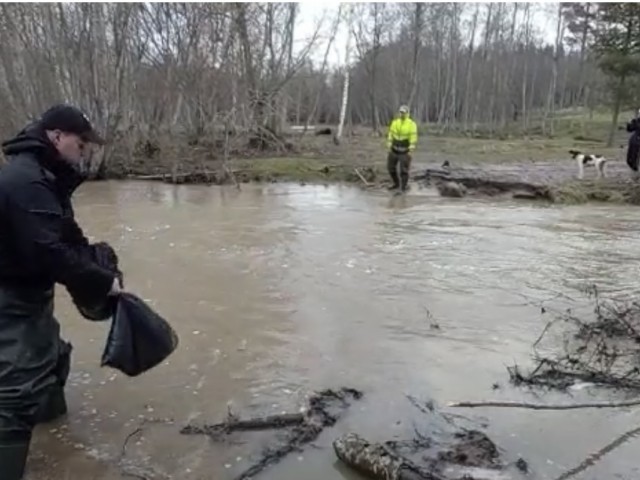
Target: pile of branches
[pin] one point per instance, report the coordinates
(602, 350)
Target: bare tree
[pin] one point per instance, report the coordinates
(159, 77)
(345, 87)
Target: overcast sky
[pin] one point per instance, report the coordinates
(311, 12)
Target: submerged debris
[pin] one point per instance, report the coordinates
(324, 410)
(451, 189)
(440, 451)
(603, 350)
(376, 460)
(472, 449)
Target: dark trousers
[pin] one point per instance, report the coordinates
(34, 365)
(404, 160)
(633, 151)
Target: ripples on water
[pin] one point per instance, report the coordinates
(281, 289)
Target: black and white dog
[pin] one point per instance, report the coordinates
(589, 160)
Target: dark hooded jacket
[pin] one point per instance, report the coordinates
(633, 148)
(40, 245)
(40, 241)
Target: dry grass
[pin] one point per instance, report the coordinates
(611, 191)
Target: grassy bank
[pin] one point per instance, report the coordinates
(610, 191)
(361, 158)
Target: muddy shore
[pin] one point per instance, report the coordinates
(543, 181)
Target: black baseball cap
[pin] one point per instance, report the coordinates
(71, 120)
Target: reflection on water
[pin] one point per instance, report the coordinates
(278, 290)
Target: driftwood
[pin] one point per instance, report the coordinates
(600, 350)
(444, 451)
(236, 425)
(323, 410)
(364, 180)
(541, 406)
(377, 461)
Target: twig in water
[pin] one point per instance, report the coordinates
(544, 332)
(128, 469)
(364, 180)
(427, 408)
(541, 406)
(594, 457)
(123, 450)
(232, 176)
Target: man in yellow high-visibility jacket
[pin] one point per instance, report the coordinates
(401, 142)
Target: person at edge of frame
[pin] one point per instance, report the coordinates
(40, 245)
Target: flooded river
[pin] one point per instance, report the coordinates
(279, 290)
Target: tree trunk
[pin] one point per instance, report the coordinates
(418, 21)
(616, 110)
(345, 86)
(548, 127)
(467, 88)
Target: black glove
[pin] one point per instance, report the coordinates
(105, 256)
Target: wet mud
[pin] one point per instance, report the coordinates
(555, 182)
(550, 182)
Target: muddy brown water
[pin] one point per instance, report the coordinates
(279, 290)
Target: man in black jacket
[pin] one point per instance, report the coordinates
(40, 245)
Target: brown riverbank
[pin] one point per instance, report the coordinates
(523, 168)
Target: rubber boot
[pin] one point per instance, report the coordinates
(54, 404)
(394, 178)
(14, 450)
(405, 181)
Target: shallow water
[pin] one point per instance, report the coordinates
(279, 290)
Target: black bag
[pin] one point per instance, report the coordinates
(139, 338)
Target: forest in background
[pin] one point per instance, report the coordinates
(231, 76)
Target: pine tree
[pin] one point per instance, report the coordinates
(617, 46)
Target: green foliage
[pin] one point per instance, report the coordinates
(617, 39)
(580, 17)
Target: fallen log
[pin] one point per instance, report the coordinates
(323, 410)
(236, 425)
(300, 436)
(377, 461)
